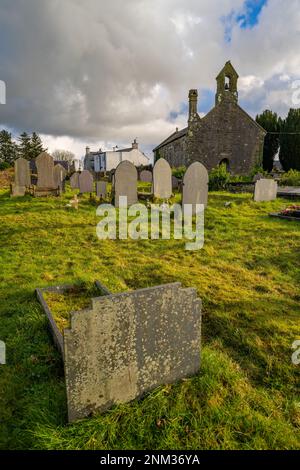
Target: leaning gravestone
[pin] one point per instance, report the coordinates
(146, 176)
(195, 186)
(126, 344)
(265, 190)
(22, 177)
(74, 181)
(101, 189)
(162, 179)
(125, 183)
(86, 182)
(59, 174)
(45, 168)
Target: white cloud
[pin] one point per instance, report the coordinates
(89, 72)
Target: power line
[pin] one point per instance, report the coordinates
(284, 133)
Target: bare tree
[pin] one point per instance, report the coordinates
(63, 155)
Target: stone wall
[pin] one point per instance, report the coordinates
(175, 152)
(225, 133)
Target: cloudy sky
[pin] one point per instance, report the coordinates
(100, 73)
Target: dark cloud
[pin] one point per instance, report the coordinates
(110, 71)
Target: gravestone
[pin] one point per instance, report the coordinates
(125, 183)
(45, 171)
(258, 177)
(22, 177)
(74, 181)
(146, 176)
(175, 182)
(86, 182)
(265, 190)
(101, 189)
(59, 174)
(126, 344)
(195, 185)
(162, 179)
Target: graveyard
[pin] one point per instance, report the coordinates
(246, 393)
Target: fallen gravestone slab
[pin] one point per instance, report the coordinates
(124, 345)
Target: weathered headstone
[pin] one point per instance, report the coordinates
(146, 176)
(127, 344)
(86, 182)
(162, 179)
(125, 183)
(101, 189)
(265, 190)
(22, 177)
(175, 182)
(74, 181)
(195, 185)
(257, 177)
(59, 175)
(45, 168)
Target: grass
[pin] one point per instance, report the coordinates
(61, 304)
(247, 275)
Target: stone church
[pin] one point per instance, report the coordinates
(227, 134)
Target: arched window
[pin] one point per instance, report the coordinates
(227, 83)
(225, 162)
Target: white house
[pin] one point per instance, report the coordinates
(106, 160)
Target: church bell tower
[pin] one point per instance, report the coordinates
(227, 84)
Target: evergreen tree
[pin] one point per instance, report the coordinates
(24, 146)
(8, 148)
(271, 123)
(36, 145)
(290, 141)
(30, 146)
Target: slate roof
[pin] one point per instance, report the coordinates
(176, 135)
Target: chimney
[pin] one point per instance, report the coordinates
(193, 98)
(135, 145)
(87, 150)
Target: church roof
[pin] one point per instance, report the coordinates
(176, 135)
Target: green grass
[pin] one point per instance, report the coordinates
(247, 393)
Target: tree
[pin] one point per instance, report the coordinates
(64, 155)
(24, 146)
(8, 148)
(36, 146)
(271, 123)
(30, 146)
(290, 141)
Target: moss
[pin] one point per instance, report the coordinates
(62, 304)
(246, 395)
